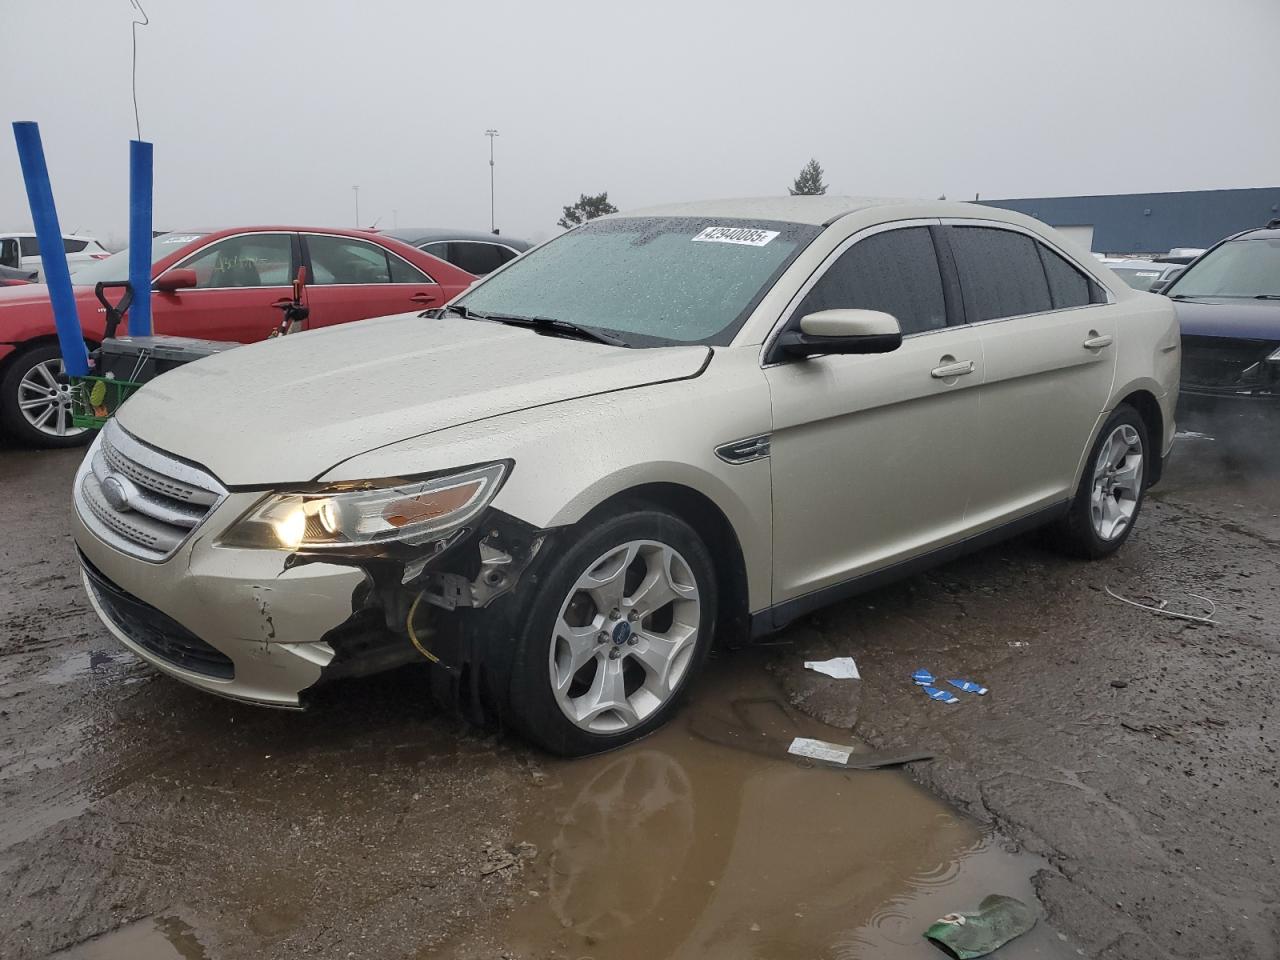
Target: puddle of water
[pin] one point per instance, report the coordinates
(706, 840)
(152, 938)
(114, 665)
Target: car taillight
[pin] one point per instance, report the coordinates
(99, 256)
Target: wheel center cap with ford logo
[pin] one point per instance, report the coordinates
(621, 633)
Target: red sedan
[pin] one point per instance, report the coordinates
(219, 285)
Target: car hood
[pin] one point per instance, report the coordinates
(1240, 319)
(289, 409)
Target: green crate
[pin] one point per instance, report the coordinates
(95, 399)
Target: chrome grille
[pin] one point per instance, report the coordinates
(139, 500)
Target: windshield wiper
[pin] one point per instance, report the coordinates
(1267, 296)
(550, 324)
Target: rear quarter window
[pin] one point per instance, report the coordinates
(1068, 286)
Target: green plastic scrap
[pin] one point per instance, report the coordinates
(998, 920)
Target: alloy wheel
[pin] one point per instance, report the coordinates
(44, 399)
(624, 637)
(1117, 482)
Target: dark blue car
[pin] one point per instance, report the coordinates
(1228, 304)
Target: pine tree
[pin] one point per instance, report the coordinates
(587, 208)
(809, 183)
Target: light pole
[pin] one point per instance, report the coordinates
(491, 134)
(357, 193)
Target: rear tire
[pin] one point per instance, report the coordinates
(34, 377)
(1112, 487)
(620, 625)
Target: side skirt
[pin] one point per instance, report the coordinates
(775, 618)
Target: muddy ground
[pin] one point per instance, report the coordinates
(1121, 774)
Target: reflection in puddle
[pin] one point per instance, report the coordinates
(683, 847)
(152, 938)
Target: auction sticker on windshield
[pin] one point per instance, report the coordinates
(748, 236)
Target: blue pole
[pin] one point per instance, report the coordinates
(140, 237)
(53, 257)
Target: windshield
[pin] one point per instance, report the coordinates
(652, 280)
(1240, 268)
(116, 266)
(1137, 277)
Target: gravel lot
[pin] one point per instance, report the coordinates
(1122, 768)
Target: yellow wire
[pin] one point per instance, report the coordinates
(414, 636)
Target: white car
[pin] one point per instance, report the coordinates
(1141, 274)
(696, 420)
(21, 251)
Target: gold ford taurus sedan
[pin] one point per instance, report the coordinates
(660, 426)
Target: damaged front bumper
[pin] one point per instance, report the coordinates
(269, 627)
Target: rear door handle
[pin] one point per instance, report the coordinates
(1098, 342)
(961, 368)
(424, 298)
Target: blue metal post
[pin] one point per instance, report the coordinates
(53, 257)
(140, 237)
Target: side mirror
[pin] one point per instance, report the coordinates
(842, 331)
(173, 280)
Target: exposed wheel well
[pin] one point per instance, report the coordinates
(1149, 409)
(40, 341)
(710, 523)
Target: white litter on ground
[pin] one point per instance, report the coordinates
(820, 750)
(1191, 435)
(842, 668)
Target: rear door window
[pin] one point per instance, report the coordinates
(895, 271)
(475, 257)
(1000, 273)
(73, 246)
(346, 260)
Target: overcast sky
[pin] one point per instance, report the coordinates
(266, 112)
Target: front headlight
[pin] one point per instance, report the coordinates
(411, 513)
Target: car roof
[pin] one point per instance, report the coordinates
(818, 211)
(1260, 233)
(65, 236)
(416, 235)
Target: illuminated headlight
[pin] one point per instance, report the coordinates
(408, 512)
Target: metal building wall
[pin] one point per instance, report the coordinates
(1155, 222)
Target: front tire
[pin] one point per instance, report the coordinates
(1112, 488)
(622, 622)
(35, 400)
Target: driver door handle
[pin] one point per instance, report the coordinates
(961, 368)
(282, 302)
(1096, 342)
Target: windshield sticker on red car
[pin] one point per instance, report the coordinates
(747, 236)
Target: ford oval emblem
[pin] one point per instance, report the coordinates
(622, 633)
(116, 493)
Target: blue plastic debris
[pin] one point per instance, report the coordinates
(944, 695)
(924, 678)
(968, 686)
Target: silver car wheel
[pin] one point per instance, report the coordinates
(624, 637)
(1117, 482)
(44, 398)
